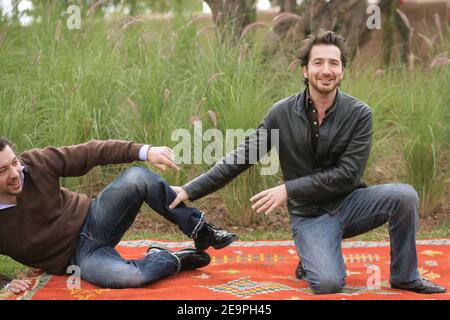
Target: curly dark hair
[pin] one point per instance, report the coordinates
(5, 142)
(322, 37)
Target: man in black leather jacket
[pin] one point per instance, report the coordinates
(324, 143)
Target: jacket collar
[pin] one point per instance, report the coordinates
(300, 105)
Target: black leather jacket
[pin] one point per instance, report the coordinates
(314, 182)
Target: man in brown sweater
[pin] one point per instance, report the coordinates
(45, 226)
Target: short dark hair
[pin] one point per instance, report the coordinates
(322, 37)
(5, 142)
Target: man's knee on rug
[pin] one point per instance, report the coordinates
(327, 284)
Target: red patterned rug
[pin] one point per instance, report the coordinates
(262, 270)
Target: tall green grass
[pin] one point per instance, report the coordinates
(411, 131)
(142, 79)
(426, 138)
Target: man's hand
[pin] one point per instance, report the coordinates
(161, 157)
(181, 196)
(270, 199)
(18, 286)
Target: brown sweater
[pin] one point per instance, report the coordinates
(41, 231)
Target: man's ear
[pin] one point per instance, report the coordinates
(305, 71)
(343, 71)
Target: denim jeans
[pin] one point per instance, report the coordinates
(318, 239)
(112, 213)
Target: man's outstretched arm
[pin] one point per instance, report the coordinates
(250, 151)
(77, 160)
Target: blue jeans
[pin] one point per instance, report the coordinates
(112, 213)
(318, 239)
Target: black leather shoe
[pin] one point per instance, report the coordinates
(300, 273)
(425, 287)
(209, 235)
(190, 258)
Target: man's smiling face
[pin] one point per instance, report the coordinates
(325, 70)
(10, 173)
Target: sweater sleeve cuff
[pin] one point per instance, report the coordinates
(4, 283)
(143, 152)
(135, 151)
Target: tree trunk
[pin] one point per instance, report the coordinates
(404, 38)
(288, 6)
(231, 17)
(388, 32)
(132, 8)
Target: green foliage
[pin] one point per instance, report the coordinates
(140, 79)
(9, 267)
(426, 136)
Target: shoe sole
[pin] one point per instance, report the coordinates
(203, 247)
(162, 248)
(200, 265)
(393, 286)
